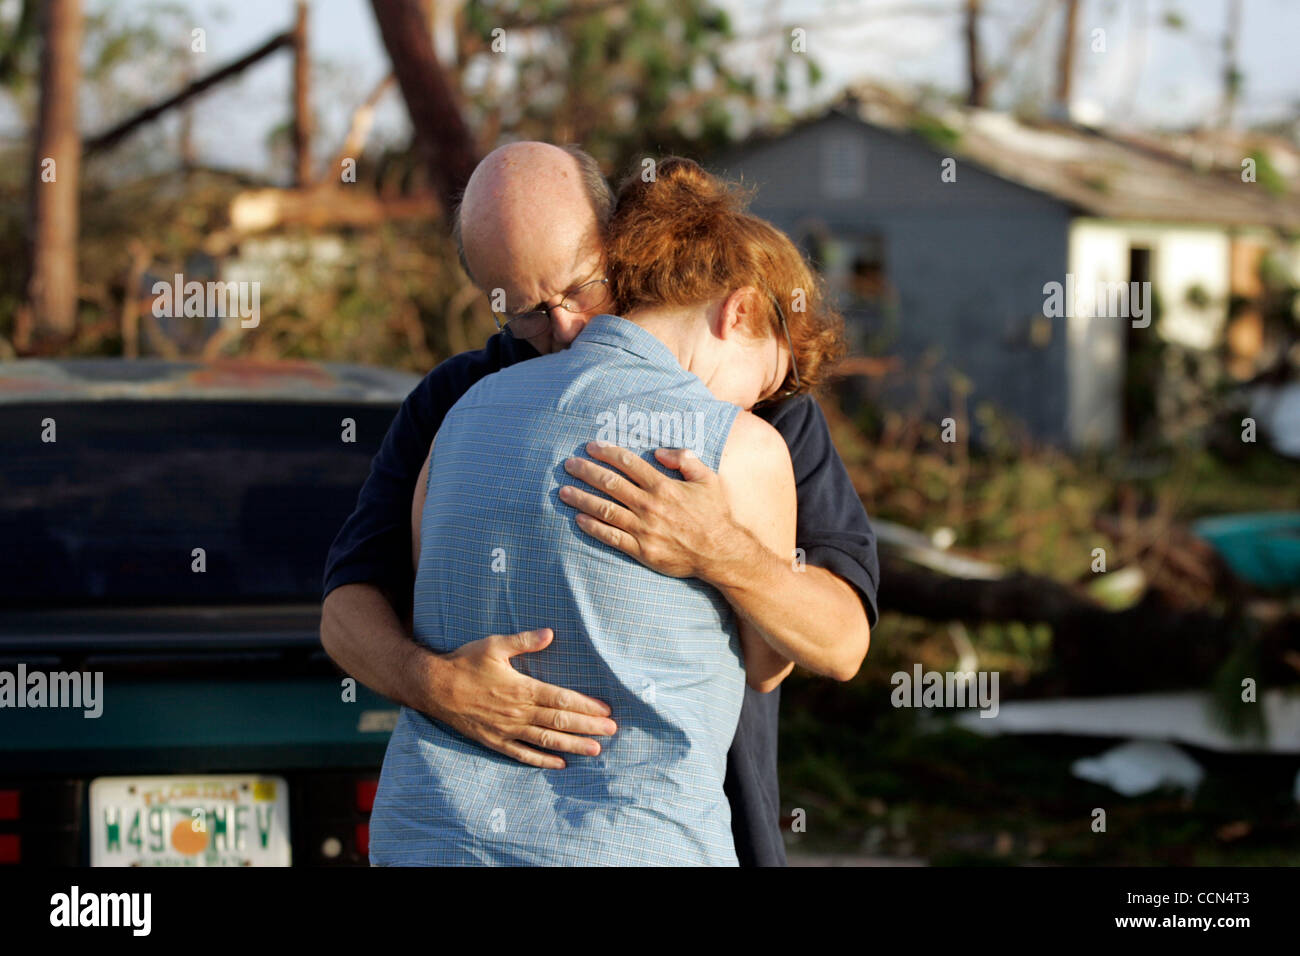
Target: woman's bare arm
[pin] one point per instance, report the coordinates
(758, 480)
(687, 529)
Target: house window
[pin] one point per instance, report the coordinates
(856, 275)
(844, 165)
(852, 265)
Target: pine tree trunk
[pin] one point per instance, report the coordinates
(55, 172)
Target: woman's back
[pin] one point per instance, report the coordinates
(501, 555)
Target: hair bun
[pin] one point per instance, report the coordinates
(681, 236)
(682, 194)
(690, 177)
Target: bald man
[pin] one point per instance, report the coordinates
(530, 232)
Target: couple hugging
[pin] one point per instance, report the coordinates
(600, 631)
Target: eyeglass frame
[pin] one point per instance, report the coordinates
(504, 321)
(794, 366)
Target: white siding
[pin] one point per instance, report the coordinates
(1182, 258)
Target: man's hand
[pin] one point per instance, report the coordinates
(476, 690)
(687, 529)
(678, 528)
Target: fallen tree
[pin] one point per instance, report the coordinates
(1146, 647)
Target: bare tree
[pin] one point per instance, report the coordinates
(1065, 65)
(1231, 74)
(49, 315)
(977, 90)
(301, 99)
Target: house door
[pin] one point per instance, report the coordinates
(1142, 358)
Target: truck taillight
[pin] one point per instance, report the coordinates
(11, 844)
(365, 795)
(40, 821)
(331, 817)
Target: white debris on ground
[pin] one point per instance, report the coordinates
(1140, 766)
(1184, 717)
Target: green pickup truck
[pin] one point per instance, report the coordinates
(164, 699)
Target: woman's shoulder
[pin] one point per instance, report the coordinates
(756, 448)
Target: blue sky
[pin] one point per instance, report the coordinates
(1148, 74)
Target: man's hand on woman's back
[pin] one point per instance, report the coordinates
(475, 689)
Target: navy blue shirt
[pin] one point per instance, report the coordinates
(374, 547)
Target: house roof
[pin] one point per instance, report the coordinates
(1099, 173)
(1116, 177)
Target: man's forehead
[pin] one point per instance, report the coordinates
(557, 272)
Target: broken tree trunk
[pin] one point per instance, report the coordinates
(1147, 647)
(355, 141)
(440, 129)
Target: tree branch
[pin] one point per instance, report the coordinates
(112, 137)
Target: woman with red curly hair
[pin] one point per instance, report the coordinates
(683, 240)
(718, 313)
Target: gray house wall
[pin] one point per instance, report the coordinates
(968, 259)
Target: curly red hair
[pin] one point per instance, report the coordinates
(685, 237)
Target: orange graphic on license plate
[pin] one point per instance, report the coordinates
(186, 839)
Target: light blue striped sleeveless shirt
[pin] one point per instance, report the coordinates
(501, 554)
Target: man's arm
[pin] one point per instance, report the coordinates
(368, 585)
(817, 612)
(474, 690)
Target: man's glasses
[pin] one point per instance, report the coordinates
(587, 297)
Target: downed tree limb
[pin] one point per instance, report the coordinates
(112, 137)
(358, 131)
(330, 207)
(262, 209)
(1147, 647)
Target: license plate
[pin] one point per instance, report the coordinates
(235, 820)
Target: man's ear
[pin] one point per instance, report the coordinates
(737, 313)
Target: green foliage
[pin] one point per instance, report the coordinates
(1267, 175)
(647, 78)
(936, 132)
(18, 45)
(1235, 716)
